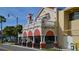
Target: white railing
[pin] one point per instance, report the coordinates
(33, 24)
(49, 23)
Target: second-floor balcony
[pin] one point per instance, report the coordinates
(33, 24)
(44, 21)
(48, 23)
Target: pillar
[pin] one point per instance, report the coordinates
(55, 42)
(26, 41)
(33, 42)
(42, 43)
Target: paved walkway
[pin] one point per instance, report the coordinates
(26, 47)
(9, 47)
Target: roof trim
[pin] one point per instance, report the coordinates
(39, 13)
(68, 8)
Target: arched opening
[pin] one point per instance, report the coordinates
(37, 38)
(24, 38)
(25, 34)
(30, 39)
(49, 39)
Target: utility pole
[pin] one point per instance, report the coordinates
(17, 20)
(16, 17)
(1, 33)
(16, 28)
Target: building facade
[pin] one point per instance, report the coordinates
(42, 31)
(69, 21)
(53, 28)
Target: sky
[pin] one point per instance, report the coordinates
(21, 12)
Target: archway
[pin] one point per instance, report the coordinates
(37, 38)
(49, 39)
(30, 39)
(25, 34)
(24, 38)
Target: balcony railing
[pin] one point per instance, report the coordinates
(49, 24)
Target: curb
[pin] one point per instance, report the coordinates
(26, 47)
(4, 49)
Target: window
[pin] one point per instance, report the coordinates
(71, 16)
(74, 16)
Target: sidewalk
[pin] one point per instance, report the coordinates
(65, 50)
(17, 47)
(25, 47)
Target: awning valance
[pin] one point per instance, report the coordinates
(36, 32)
(30, 33)
(49, 33)
(24, 33)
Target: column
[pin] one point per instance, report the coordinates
(26, 41)
(42, 43)
(33, 42)
(55, 42)
(55, 39)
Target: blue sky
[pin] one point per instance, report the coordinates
(21, 12)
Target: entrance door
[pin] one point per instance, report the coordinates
(24, 38)
(30, 36)
(37, 41)
(37, 38)
(49, 38)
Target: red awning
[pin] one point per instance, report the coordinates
(36, 32)
(30, 33)
(49, 33)
(24, 33)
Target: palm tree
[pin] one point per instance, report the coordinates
(2, 19)
(16, 24)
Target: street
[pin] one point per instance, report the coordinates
(2, 49)
(8, 47)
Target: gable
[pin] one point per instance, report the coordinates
(51, 11)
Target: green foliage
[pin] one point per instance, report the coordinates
(19, 28)
(2, 19)
(12, 31)
(9, 31)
